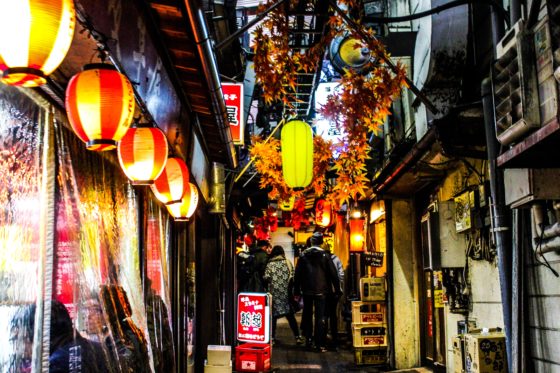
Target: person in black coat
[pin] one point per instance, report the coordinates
(315, 278)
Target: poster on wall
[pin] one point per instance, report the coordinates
(253, 317)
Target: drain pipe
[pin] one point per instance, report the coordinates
(210, 70)
(501, 221)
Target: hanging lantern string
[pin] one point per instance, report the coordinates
(103, 51)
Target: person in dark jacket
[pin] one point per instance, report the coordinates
(315, 278)
(260, 254)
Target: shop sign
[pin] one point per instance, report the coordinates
(233, 96)
(253, 317)
(374, 259)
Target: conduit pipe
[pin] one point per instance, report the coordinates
(210, 70)
(546, 238)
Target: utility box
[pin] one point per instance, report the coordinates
(525, 185)
(372, 289)
(485, 353)
(459, 354)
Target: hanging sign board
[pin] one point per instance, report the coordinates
(374, 259)
(233, 96)
(253, 317)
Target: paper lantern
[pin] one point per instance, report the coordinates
(173, 183)
(287, 205)
(184, 210)
(323, 213)
(297, 154)
(357, 236)
(100, 105)
(143, 154)
(36, 36)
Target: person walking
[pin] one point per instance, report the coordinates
(260, 253)
(315, 277)
(333, 299)
(278, 274)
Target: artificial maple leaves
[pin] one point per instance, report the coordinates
(267, 158)
(358, 107)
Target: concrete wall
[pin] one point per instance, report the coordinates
(405, 286)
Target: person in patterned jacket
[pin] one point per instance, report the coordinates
(278, 273)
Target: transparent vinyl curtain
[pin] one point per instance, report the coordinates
(72, 297)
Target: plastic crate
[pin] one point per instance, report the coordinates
(252, 357)
(369, 335)
(370, 355)
(365, 313)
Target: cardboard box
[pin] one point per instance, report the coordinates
(208, 368)
(458, 354)
(372, 289)
(365, 313)
(219, 355)
(485, 353)
(369, 335)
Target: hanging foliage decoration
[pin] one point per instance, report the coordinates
(358, 107)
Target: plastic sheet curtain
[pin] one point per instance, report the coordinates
(158, 306)
(23, 190)
(97, 263)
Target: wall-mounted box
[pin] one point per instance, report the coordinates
(524, 185)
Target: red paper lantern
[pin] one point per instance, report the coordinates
(173, 183)
(100, 105)
(357, 236)
(143, 154)
(323, 213)
(184, 210)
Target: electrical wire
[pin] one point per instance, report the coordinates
(539, 250)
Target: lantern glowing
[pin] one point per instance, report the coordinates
(100, 105)
(323, 213)
(36, 36)
(357, 236)
(287, 205)
(173, 183)
(182, 211)
(297, 154)
(143, 154)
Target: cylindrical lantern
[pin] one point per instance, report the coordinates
(100, 106)
(297, 154)
(36, 36)
(357, 236)
(182, 211)
(323, 213)
(143, 154)
(173, 183)
(288, 204)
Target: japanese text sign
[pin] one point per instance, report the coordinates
(233, 96)
(253, 317)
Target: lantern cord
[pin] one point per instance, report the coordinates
(251, 160)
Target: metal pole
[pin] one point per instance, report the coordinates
(358, 28)
(250, 24)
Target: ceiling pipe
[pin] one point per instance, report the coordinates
(210, 70)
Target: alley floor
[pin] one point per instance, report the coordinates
(287, 356)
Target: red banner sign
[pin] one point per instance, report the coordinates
(253, 317)
(233, 95)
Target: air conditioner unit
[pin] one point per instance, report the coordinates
(515, 86)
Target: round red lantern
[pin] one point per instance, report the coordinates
(36, 36)
(323, 213)
(184, 210)
(173, 183)
(143, 153)
(100, 105)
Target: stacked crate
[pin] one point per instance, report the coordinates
(369, 323)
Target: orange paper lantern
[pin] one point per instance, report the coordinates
(143, 154)
(100, 105)
(184, 210)
(357, 236)
(323, 213)
(36, 36)
(173, 183)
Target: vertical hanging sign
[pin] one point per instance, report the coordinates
(253, 317)
(233, 96)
